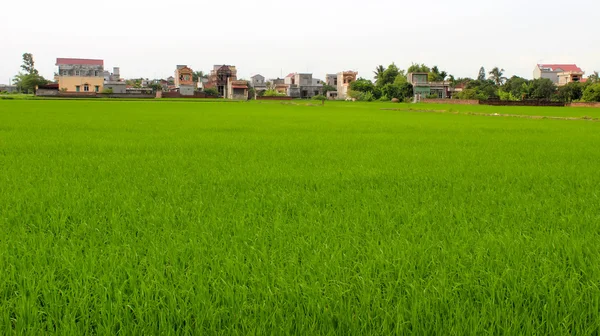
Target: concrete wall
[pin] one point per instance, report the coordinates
(43, 93)
(257, 81)
(597, 105)
(120, 87)
(47, 92)
(553, 76)
(239, 94)
(186, 90)
(178, 95)
(9, 88)
(451, 101)
(274, 98)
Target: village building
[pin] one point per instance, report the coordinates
(8, 88)
(184, 80)
(237, 89)
(301, 85)
(423, 88)
(343, 81)
(80, 75)
(559, 74)
(258, 83)
(331, 80)
(113, 82)
(219, 78)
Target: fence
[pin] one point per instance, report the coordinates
(274, 98)
(200, 95)
(582, 104)
(498, 102)
(451, 101)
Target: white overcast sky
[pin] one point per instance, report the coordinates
(273, 37)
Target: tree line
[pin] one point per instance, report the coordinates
(391, 82)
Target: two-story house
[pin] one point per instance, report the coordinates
(559, 74)
(80, 75)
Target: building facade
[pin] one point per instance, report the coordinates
(113, 82)
(258, 82)
(559, 74)
(302, 85)
(184, 80)
(80, 75)
(237, 89)
(219, 77)
(343, 81)
(8, 88)
(420, 83)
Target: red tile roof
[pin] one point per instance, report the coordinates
(583, 80)
(79, 61)
(564, 67)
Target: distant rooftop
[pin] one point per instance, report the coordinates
(79, 61)
(563, 67)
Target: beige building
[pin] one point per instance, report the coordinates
(559, 74)
(237, 89)
(344, 79)
(567, 77)
(80, 75)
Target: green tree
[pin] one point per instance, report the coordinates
(362, 85)
(467, 94)
(328, 88)
(198, 75)
(485, 89)
(155, 87)
(30, 79)
(514, 86)
(418, 68)
(541, 88)
(379, 72)
(497, 76)
(389, 75)
(28, 64)
(212, 92)
(570, 92)
(435, 75)
(481, 76)
(592, 93)
(594, 78)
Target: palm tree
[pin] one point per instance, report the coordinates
(496, 76)
(379, 72)
(198, 75)
(594, 78)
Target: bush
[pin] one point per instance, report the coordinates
(319, 97)
(384, 98)
(107, 90)
(366, 96)
(273, 93)
(506, 96)
(212, 92)
(592, 93)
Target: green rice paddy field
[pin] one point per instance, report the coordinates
(174, 218)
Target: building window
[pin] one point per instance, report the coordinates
(335, 82)
(86, 88)
(77, 88)
(97, 88)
